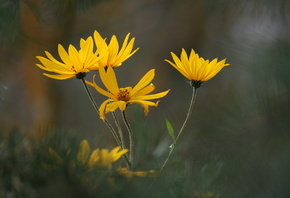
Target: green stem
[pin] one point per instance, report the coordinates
(131, 139)
(192, 101)
(119, 130)
(90, 95)
(172, 147)
(119, 142)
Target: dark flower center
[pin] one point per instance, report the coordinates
(123, 95)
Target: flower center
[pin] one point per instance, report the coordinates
(123, 95)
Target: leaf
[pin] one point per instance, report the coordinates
(170, 129)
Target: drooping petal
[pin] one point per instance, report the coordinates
(145, 104)
(103, 108)
(112, 106)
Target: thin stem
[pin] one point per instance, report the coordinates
(90, 96)
(192, 101)
(131, 139)
(119, 129)
(106, 121)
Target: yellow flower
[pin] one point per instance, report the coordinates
(74, 62)
(115, 57)
(99, 157)
(195, 68)
(121, 97)
(129, 174)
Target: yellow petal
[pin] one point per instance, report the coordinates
(109, 80)
(64, 56)
(113, 49)
(100, 90)
(60, 77)
(116, 153)
(144, 91)
(153, 96)
(146, 79)
(52, 66)
(74, 55)
(95, 158)
(103, 108)
(83, 154)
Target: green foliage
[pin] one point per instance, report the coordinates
(170, 130)
(25, 169)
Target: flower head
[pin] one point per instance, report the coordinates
(74, 62)
(115, 57)
(195, 68)
(99, 157)
(96, 159)
(121, 97)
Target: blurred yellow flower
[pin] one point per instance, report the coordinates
(74, 62)
(195, 68)
(129, 174)
(99, 157)
(121, 97)
(84, 157)
(114, 57)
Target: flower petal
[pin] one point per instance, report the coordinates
(152, 96)
(195, 68)
(60, 77)
(100, 90)
(84, 151)
(144, 91)
(109, 80)
(103, 108)
(147, 78)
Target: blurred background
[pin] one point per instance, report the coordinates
(237, 143)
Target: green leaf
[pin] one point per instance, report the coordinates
(170, 129)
